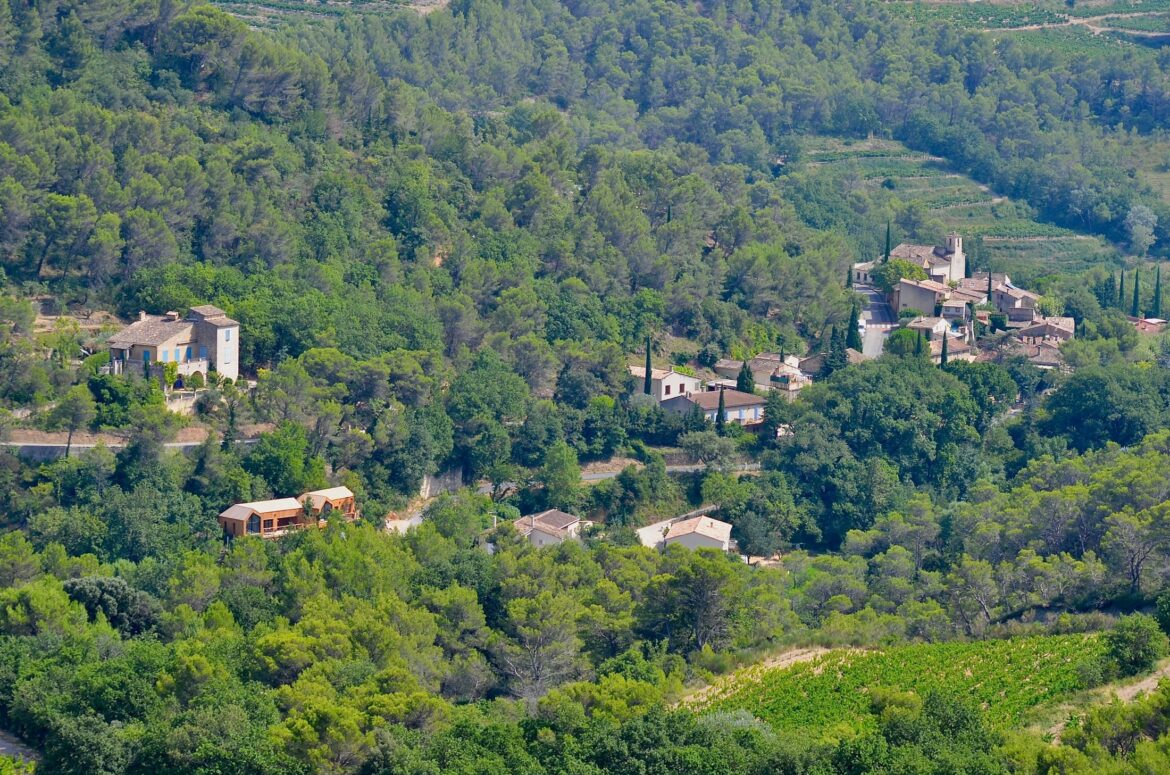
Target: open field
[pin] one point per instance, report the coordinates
(830, 691)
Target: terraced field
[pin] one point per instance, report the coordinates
(826, 693)
(1013, 239)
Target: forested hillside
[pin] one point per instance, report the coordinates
(445, 237)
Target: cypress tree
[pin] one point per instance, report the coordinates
(646, 383)
(1135, 308)
(1121, 291)
(721, 414)
(746, 381)
(989, 290)
(1157, 309)
(943, 360)
(849, 278)
(918, 344)
(887, 253)
(853, 336)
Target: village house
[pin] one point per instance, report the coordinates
(549, 527)
(921, 295)
(1147, 325)
(1017, 304)
(1044, 355)
(738, 407)
(1054, 329)
(942, 263)
(666, 383)
(204, 341)
(957, 350)
(700, 533)
(332, 500)
(931, 328)
(769, 371)
(863, 272)
(267, 519)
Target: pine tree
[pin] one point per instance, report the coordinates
(746, 381)
(943, 360)
(1156, 311)
(852, 335)
(1121, 291)
(647, 382)
(721, 414)
(888, 248)
(1135, 309)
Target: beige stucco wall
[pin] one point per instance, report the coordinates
(697, 541)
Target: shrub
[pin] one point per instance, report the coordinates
(1135, 645)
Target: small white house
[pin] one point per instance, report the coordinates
(549, 527)
(700, 533)
(666, 384)
(738, 407)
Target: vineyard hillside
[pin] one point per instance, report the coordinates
(831, 693)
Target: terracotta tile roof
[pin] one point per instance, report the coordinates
(704, 526)
(732, 399)
(154, 330)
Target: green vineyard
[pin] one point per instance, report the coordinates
(1007, 678)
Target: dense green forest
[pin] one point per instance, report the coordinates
(445, 236)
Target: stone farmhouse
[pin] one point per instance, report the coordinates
(205, 341)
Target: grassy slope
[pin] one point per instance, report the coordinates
(830, 692)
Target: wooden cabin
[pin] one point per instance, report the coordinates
(267, 519)
(322, 503)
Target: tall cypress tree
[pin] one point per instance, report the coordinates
(1156, 312)
(647, 387)
(746, 381)
(853, 336)
(989, 288)
(888, 248)
(1121, 291)
(943, 360)
(918, 344)
(849, 278)
(721, 414)
(1135, 309)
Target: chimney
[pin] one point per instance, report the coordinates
(142, 314)
(171, 316)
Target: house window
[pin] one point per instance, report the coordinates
(253, 524)
(162, 355)
(146, 356)
(178, 355)
(188, 352)
(267, 525)
(203, 353)
(667, 389)
(227, 335)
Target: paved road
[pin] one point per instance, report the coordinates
(598, 476)
(879, 319)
